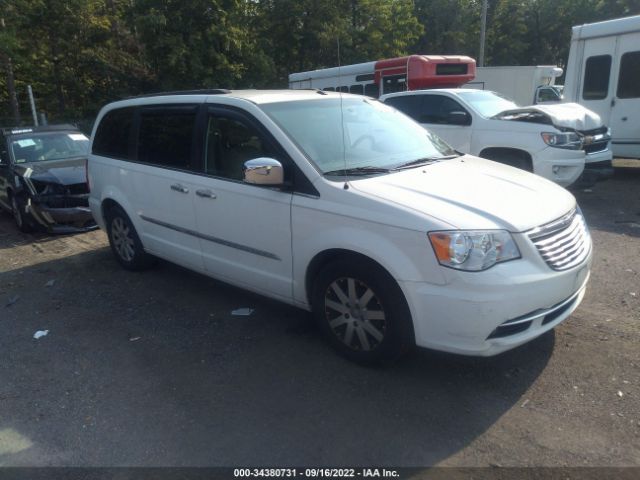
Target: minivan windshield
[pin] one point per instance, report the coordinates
(356, 134)
(488, 104)
(39, 147)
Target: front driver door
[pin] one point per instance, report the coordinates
(245, 230)
(439, 114)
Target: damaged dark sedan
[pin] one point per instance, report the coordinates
(43, 178)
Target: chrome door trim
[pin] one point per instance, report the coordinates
(210, 238)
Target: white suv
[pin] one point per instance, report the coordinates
(554, 141)
(344, 206)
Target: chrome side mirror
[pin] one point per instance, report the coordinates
(263, 171)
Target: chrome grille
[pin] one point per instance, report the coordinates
(563, 243)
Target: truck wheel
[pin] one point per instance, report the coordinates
(19, 215)
(125, 243)
(362, 312)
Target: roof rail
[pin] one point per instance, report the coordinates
(204, 91)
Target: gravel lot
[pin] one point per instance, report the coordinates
(152, 369)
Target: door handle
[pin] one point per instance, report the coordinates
(206, 194)
(179, 188)
(624, 119)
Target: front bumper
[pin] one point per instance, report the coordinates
(472, 313)
(62, 219)
(562, 166)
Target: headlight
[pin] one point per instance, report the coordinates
(570, 140)
(473, 250)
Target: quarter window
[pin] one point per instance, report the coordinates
(114, 133)
(629, 80)
(166, 136)
(596, 77)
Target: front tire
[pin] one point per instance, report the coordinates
(125, 242)
(19, 216)
(362, 312)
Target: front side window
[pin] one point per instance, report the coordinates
(629, 80)
(230, 143)
(354, 133)
(40, 147)
(596, 77)
(114, 133)
(166, 136)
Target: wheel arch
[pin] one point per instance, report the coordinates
(323, 258)
(494, 153)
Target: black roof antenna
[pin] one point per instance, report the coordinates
(344, 142)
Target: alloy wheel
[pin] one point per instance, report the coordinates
(122, 238)
(355, 314)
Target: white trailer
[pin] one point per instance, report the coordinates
(603, 74)
(525, 85)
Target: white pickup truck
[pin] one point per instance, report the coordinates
(557, 141)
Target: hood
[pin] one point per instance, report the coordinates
(62, 172)
(560, 115)
(473, 193)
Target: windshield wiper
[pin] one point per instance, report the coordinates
(366, 170)
(423, 161)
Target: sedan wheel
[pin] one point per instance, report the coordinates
(18, 216)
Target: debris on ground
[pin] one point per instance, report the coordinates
(50, 283)
(40, 334)
(242, 312)
(620, 394)
(524, 404)
(133, 339)
(12, 300)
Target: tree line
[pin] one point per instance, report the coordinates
(80, 54)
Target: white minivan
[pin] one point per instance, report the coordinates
(343, 206)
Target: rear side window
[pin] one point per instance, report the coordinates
(596, 77)
(629, 80)
(165, 136)
(114, 134)
(408, 104)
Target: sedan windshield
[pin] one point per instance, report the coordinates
(355, 135)
(488, 104)
(39, 147)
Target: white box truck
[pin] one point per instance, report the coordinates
(525, 85)
(603, 74)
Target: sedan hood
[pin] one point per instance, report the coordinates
(62, 172)
(473, 193)
(560, 115)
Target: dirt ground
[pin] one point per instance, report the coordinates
(153, 369)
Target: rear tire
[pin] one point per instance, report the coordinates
(125, 242)
(362, 312)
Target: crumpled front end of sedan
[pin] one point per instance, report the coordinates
(60, 208)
